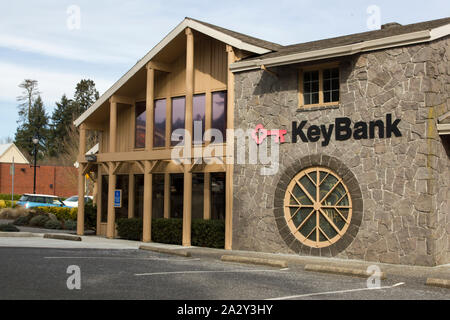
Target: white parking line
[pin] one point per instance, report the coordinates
(202, 271)
(335, 292)
(125, 258)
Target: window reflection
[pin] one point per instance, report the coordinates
(199, 103)
(219, 112)
(159, 134)
(178, 116)
(140, 124)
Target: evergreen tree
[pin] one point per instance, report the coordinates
(27, 99)
(62, 118)
(38, 125)
(85, 96)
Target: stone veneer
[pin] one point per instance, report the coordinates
(402, 183)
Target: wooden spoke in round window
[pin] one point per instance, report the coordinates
(317, 207)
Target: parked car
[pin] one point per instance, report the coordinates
(40, 200)
(72, 201)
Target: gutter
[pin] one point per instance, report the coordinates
(371, 45)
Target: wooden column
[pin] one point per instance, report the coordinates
(187, 194)
(230, 153)
(112, 126)
(99, 198)
(131, 194)
(148, 204)
(207, 196)
(81, 180)
(149, 108)
(166, 195)
(111, 223)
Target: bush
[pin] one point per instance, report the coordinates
(39, 221)
(52, 224)
(22, 221)
(9, 227)
(205, 233)
(70, 225)
(14, 213)
(60, 213)
(5, 196)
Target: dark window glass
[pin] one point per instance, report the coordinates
(138, 195)
(198, 115)
(331, 85)
(159, 128)
(311, 87)
(140, 125)
(158, 196)
(219, 112)
(178, 116)
(218, 196)
(105, 183)
(176, 195)
(122, 182)
(197, 195)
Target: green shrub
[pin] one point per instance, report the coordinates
(130, 229)
(52, 224)
(90, 215)
(60, 213)
(208, 233)
(39, 221)
(22, 221)
(70, 225)
(205, 233)
(5, 196)
(9, 227)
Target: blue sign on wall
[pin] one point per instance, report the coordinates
(117, 198)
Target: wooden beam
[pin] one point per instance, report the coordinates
(121, 99)
(167, 195)
(113, 127)
(82, 147)
(140, 166)
(150, 97)
(80, 213)
(99, 199)
(160, 66)
(230, 153)
(148, 204)
(105, 166)
(111, 224)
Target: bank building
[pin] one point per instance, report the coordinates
(361, 124)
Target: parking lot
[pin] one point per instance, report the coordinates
(41, 273)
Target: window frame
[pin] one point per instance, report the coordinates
(320, 68)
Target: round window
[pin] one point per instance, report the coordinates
(317, 207)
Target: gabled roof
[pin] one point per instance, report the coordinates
(234, 39)
(393, 35)
(20, 158)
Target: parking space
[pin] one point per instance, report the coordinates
(41, 273)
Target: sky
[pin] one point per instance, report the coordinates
(58, 43)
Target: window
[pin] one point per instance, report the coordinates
(159, 127)
(140, 124)
(198, 108)
(319, 87)
(178, 116)
(317, 207)
(219, 113)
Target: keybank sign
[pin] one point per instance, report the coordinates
(343, 130)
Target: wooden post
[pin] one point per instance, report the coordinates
(131, 194)
(111, 225)
(166, 195)
(81, 181)
(99, 198)
(112, 126)
(187, 194)
(207, 196)
(230, 153)
(148, 204)
(149, 108)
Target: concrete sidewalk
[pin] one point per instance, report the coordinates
(292, 260)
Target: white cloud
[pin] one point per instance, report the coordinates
(59, 51)
(52, 84)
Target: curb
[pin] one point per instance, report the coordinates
(342, 271)
(443, 283)
(177, 252)
(251, 260)
(16, 234)
(62, 237)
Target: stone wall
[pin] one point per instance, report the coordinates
(403, 181)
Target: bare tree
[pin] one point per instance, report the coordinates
(27, 98)
(5, 140)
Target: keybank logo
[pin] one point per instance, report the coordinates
(343, 130)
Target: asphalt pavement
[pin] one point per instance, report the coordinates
(42, 273)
